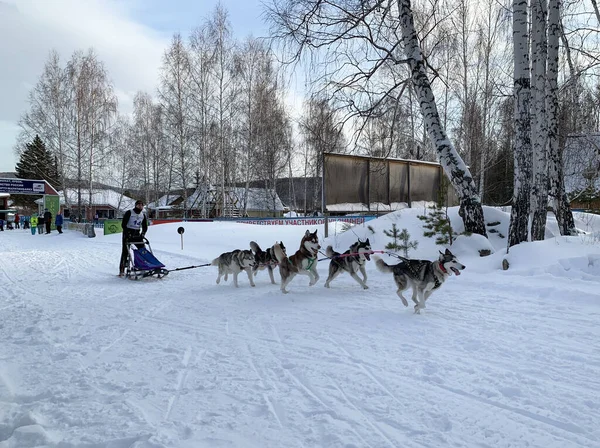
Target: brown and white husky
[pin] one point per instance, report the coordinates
(303, 262)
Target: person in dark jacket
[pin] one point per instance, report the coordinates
(59, 222)
(40, 225)
(133, 221)
(47, 220)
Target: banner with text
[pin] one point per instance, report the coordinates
(19, 186)
(303, 221)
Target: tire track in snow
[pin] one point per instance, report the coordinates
(103, 350)
(564, 426)
(181, 379)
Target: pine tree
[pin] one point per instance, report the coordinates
(406, 244)
(394, 233)
(437, 223)
(37, 162)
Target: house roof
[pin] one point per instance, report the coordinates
(108, 197)
(257, 199)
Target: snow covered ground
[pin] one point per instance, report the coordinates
(498, 358)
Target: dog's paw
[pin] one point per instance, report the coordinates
(365, 287)
(252, 284)
(326, 285)
(284, 291)
(404, 301)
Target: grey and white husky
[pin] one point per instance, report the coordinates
(423, 276)
(303, 262)
(351, 261)
(265, 259)
(235, 262)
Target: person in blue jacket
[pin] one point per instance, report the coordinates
(59, 222)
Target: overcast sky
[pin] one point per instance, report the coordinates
(129, 36)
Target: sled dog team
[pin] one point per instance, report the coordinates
(422, 276)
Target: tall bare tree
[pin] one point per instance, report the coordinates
(92, 113)
(361, 38)
(519, 217)
(175, 101)
(560, 201)
(47, 114)
(539, 126)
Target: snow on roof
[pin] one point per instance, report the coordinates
(165, 201)
(258, 198)
(100, 196)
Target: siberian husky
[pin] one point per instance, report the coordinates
(264, 259)
(423, 276)
(361, 253)
(303, 262)
(235, 262)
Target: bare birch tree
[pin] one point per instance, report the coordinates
(539, 126)
(559, 202)
(175, 101)
(361, 37)
(47, 115)
(519, 217)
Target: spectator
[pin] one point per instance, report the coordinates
(40, 226)
(17, 221)
(1, 225)
(96, 218)
(34, 223)
(59, 222)
(26, 222)
(48, 220)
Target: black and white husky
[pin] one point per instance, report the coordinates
(303, 262)
(264, 259)
(423, 276)
(235, 262)
(351, 261)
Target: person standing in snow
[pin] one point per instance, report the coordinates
(40, 224)
(47, 220)
(133, 221)
(33, 222)
(59, 222)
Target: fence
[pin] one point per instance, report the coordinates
(350, 179)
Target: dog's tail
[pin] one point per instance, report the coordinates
(279, 253)
(382, 266)
(215, 262)
(255, 247)
(330, 252)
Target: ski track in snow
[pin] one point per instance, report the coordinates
(90, 360)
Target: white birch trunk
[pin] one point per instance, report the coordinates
(460, 177)
(539, 126)
(522, 150)
(559, 200)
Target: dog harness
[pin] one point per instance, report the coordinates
(415, 272)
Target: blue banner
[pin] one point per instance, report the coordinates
(19, 186)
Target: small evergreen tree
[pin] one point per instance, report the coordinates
(437, 221)
(394, 233)
(405, 243)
